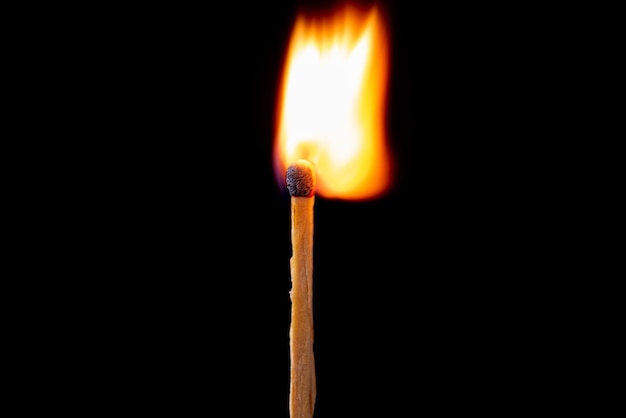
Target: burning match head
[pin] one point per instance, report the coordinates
(301, 178)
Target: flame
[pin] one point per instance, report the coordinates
(331, 107)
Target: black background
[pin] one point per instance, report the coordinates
(184, 233)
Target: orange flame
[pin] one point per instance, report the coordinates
(332, 103)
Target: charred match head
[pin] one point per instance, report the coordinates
(301, 178)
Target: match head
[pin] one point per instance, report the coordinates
(301, 178)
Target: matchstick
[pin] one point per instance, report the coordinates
(302, 392)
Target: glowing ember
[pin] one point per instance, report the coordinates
(332, 103)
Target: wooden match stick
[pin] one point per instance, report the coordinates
(302, 392)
